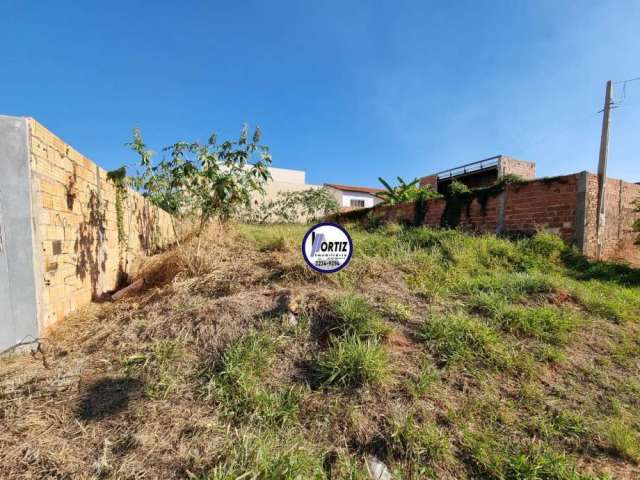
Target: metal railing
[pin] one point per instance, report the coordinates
(477, 166)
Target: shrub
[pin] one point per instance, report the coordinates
(354, 362)
(405, 192)
(294, 207)
(547, 245)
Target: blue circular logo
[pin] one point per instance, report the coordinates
(327, 247)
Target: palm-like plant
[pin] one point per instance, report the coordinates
(405, 192)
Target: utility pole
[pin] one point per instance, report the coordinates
(602, 169)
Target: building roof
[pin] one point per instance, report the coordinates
(349, 188)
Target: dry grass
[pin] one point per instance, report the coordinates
(446, 356)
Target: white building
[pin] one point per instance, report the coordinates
(285, 180)
(350, 197)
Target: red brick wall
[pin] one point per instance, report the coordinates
(618, 236)
(528, 207)
(429, 180)
(550, 204)
(544, 204)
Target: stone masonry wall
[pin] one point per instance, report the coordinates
(76, 227)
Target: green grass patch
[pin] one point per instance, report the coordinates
(269, 456)
(354, 362)
(237, 384)
(422, 382)
(607, 299)
(459, 337)
(543, 322)
(355, 316)
(272, 237)
(559, 424)
(159, 366)
(418, 442)
(622, 440)
(503, 460)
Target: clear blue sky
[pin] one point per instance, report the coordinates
(345, 90)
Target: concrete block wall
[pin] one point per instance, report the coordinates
(513, 166)
(76, 222)
(77, 255)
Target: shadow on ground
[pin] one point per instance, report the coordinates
(106, 397)
(584, 269)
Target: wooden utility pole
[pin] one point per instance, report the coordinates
(602, 169)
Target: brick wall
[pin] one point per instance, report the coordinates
(548, 204)
(618, 235)
(80, 256)
(430, 180)
(544, 204)
(565, 205)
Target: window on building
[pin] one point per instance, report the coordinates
(357, 203)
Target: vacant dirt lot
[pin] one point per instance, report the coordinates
(441, 354)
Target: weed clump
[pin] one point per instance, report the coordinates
(237, 384)
(547, 245)
(269, 456)
(623, 441)
(356, 317)
(458, 337)
(159, 366)
(418, 441)
(354, 362)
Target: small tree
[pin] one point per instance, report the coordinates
(208, 180)
(405, 192)
(291, 207)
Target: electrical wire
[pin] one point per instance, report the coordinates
(624, 83)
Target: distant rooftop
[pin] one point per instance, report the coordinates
(349, 188)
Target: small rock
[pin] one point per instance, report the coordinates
(377, 470)
(294, 303)
(290, 320)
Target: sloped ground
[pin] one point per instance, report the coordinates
(441, 354)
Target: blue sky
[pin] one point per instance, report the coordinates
(347, 91)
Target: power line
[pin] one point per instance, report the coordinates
(624, 90)
(626, 81)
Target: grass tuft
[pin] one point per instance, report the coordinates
(622, 440)
(459, 337)
(269, 456)
(357, 317)
(418, 441)
(354, 362)
(238, 386)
